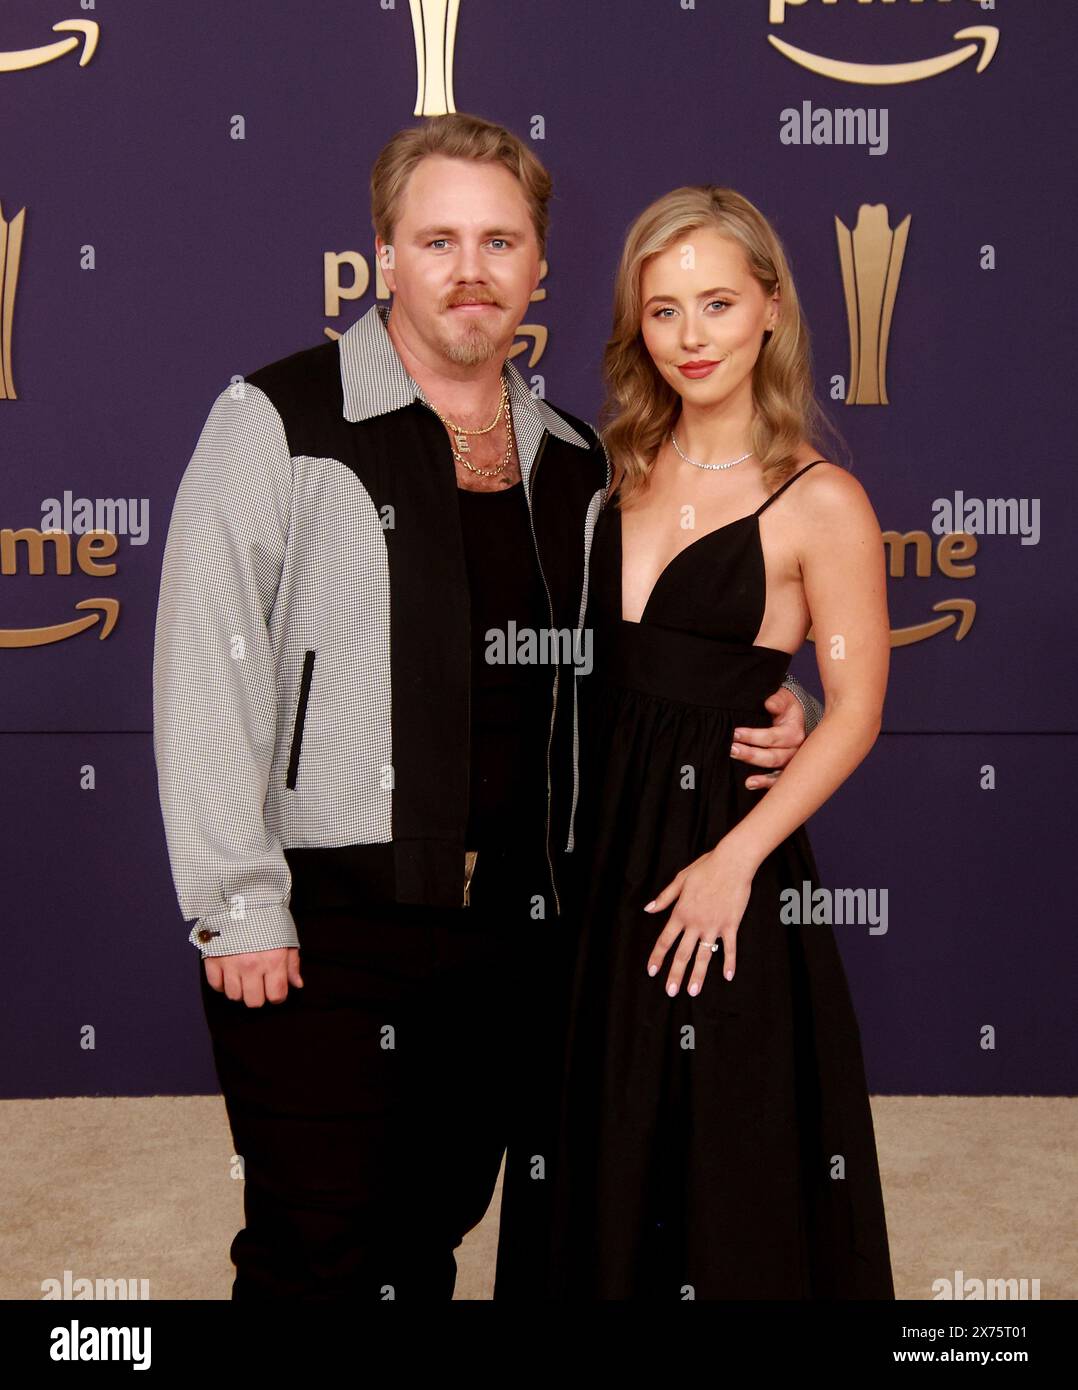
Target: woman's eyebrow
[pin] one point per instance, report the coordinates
(719, 289)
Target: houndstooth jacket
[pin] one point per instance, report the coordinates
(312, 648)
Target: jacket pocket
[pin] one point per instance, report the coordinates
(301, 715)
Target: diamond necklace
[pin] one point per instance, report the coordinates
(714, 466)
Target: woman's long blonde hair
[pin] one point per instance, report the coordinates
(641, 406)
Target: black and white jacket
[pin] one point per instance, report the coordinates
(312, 646)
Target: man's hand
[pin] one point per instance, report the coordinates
(255, 976)
(772, 748)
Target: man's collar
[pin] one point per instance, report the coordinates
(375, 380)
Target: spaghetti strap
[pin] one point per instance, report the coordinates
(779, 491)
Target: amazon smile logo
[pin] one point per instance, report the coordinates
(80, 532)
(957, 522)
(84, 35)
(950, 558)
(982, 42)
(23, 551)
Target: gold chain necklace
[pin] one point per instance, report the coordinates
(462, 442)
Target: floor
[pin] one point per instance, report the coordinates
(141, 1188)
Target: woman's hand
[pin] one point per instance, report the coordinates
(711, 893)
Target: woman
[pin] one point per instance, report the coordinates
(715, 1139)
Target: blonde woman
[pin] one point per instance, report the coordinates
(716, 1139)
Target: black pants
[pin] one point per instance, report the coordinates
(372, 1107)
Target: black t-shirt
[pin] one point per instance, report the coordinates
(511, 701)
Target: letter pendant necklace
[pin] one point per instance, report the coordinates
(461, 435)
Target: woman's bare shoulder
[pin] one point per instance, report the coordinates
(828, 491)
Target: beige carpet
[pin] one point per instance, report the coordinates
(139, 1188)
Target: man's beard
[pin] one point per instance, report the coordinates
(474, 346)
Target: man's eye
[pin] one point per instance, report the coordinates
(441, 240)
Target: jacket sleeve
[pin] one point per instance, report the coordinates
(812, 707)
(214, 678)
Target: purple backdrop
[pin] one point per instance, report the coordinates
(208, 262)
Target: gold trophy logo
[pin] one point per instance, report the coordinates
(871, 260)
(434, 25)
(83, 36)
(10, 251)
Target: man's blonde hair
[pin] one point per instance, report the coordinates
(455, 136)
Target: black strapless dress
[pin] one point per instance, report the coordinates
(716, 1147)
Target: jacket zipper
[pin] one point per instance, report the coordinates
(557, 672)
(571, 843)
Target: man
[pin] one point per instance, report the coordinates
(343, 770)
